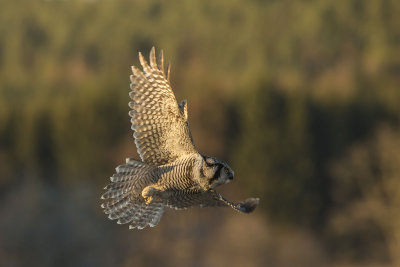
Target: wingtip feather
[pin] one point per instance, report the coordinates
(161, 61)
(168, 70)
(153, 61)
(142, 60)
(250, 205)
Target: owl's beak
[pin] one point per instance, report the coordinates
(231, 175)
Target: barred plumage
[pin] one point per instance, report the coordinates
(172, 173)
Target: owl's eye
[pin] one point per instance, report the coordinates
(226, 171)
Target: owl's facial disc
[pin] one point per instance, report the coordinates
(222, 175)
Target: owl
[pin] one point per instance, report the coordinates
(171, 173)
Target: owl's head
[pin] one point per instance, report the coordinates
(216, 172)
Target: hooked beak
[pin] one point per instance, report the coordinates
(231, 175)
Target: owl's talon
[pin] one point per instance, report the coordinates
(149, 200)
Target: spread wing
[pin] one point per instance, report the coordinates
(210, 198)
(160, 126)
(190, 198)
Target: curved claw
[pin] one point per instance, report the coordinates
(149, 200)
(151, 194)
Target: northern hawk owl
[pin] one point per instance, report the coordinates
(171, 173)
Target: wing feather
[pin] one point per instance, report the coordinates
(210, 199)
(191, 198)
(161, 130)
(161, 60)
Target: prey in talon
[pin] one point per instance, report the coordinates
(171, 172)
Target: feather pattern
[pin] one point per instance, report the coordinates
(188, 198)
(161, 131)
(125, 202)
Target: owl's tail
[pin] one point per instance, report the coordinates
(124, 199)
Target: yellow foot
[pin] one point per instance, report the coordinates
(149, 200)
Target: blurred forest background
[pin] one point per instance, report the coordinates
(302, 98)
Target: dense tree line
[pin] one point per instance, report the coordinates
(290, 93)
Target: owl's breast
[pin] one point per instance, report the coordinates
(178, 175)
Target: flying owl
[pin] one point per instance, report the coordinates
(172, 172)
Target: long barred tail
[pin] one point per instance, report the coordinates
(124, 199)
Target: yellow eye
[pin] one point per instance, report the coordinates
(226, 171)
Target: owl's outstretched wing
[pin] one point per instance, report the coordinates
(210, 198)
(160, 126)
(247, 206)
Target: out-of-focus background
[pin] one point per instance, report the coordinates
(302, 98)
